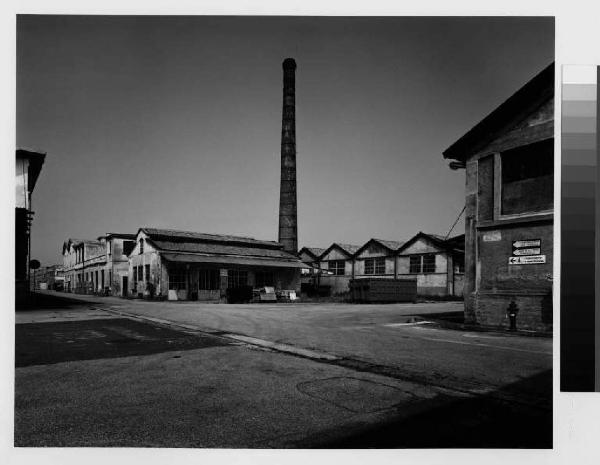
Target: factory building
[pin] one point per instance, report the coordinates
(436, 263)
(181, 265)
(376, 259)
(509, 161)
(337, 267)
(28, 168)
(97, 266)
(83, 261)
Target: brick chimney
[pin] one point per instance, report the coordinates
(288, 217)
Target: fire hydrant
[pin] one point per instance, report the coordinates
(512, 311)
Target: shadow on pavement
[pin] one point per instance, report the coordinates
(38, 301)
(478, 422)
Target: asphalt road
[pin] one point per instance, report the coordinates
(89, 377)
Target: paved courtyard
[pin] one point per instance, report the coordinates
(113, 372)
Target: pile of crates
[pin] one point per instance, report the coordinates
(373, 290)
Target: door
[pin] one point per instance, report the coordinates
(125, 286)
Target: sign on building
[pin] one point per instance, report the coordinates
(527, 252)
(527, 260)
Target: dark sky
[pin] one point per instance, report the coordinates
(175, 121)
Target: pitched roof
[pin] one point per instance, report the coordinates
(189, 236)
(315, 252)
(119, 235)
(392, 245)
(447, 244)
(213, 248)
(537, 90)
(36, 160)
(348, 249)
(186, 245)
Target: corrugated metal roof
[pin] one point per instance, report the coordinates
(233, 260)
(189, 236)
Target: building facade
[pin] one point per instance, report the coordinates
(509, 161)
(181, 265)
(28, 168)
(436, 263)
(337, 267)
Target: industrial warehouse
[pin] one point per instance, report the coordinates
(509, 161)
(434, 263)
(234, 248)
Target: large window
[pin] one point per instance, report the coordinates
(146, 272)
(209, 280)
(236, 278)
(422, 263)
(128, 247)
(337, 267)
(264, 278)
(429, 263)
(415, 264)
(177, 279)
(527, 178)
(375, 265)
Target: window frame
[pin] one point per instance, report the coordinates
(497, 207)
(209, 280)
(379, 265)
(337, 267)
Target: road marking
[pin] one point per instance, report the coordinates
(393, 325)
(485, 345)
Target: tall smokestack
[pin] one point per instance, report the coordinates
(288, 217)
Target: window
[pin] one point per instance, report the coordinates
(415, 264)
(102, 279)
(146, 272)
(237, 278)
(135, 276)
(264, 278)
(209, 280)
(177, 279)
(337, 267)
(141, 246)
(380, 265)
(375, 265)
(459, 264)
(429, 263)
(422, 263)
(527, 177)
(128, 247)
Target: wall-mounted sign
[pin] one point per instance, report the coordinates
(492, 236)
(527, 260)
(529, 251)
(527, 243)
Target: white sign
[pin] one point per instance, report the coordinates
(492, 236)
(531, 251)
(527, 243)
(527, 260)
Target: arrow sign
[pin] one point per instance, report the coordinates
(530, 251)
(527, 243)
